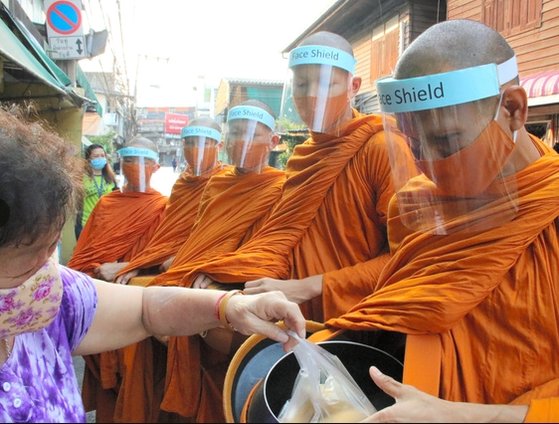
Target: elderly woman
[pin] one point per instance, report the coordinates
(49, 313)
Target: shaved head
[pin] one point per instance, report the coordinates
(146, 143)
(328, 39)
(450, 45)
(205, 121)
(258, 103)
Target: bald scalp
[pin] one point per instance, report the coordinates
(205, 121)
(258, 103)
(329, 39)
(450, 45)
(146, 143)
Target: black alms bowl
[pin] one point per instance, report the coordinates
(270, 396)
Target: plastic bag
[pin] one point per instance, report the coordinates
(324, 391)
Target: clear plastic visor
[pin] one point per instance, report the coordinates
(318, 96)
(200, 154)
(136, 173)
(451, 167)
(248, 144)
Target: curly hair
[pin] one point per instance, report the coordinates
(40, 179)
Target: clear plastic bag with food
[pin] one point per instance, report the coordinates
(324, 391)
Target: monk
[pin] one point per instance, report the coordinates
(472, 284)
(331, 219)
(119, 227)
(233, 206)
(201, 141)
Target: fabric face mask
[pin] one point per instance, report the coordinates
(98, 163)
(32, 305)
(471, 170)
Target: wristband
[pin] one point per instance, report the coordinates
(222, 304)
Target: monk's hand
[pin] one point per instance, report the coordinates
(166, 265)
(413, 405)
(258, 314)
(109, 270)
(125, 278)
(202, 282)
(297, 291)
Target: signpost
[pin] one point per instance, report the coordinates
(64, 29)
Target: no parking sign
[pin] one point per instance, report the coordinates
(64, 29)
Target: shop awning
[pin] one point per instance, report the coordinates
(542, 88)
(33, 58)
(14, 50)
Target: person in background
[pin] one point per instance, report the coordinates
(174, 163)
(50, 312)
(99, 179)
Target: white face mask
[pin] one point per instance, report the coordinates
(33, 304)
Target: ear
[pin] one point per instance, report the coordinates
(515, 104)
(156, 166)
(275, 140)
(355, 86)
(220, 145)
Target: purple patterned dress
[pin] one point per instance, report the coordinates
(37, 382)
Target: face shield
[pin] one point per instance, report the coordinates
(249, 137)
(447, 149)
(319, 88)
(137, 164)
(200, 148)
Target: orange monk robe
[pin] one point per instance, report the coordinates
(232, 207)
(177, 223)
(484, 305)
(118, 228)
(330, 220)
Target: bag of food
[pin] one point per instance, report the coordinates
(324, 391)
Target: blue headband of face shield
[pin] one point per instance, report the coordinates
(444, 89)
(322, 55)
(138, 152)
(252, 113)
(198, 131)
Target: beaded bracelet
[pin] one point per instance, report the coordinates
(221, 304)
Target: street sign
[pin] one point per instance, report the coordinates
(64, 29)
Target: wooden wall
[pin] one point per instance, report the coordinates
(537, 49)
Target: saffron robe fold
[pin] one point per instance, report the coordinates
(232, 207)
(485, 303)
(173, 231)
(330, 218)
(119, 227)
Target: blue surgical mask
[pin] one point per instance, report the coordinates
(98, 163)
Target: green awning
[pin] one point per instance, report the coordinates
(13, 49)
(82, 81)
(41, 65)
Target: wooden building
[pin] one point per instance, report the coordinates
(532, 29)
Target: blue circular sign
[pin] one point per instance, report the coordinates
(64, 17)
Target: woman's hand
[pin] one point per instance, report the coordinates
(254, 313)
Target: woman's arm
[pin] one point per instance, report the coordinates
(128, 314)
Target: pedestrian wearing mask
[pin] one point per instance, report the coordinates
(99, 179)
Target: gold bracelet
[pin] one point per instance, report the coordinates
(223, 301)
